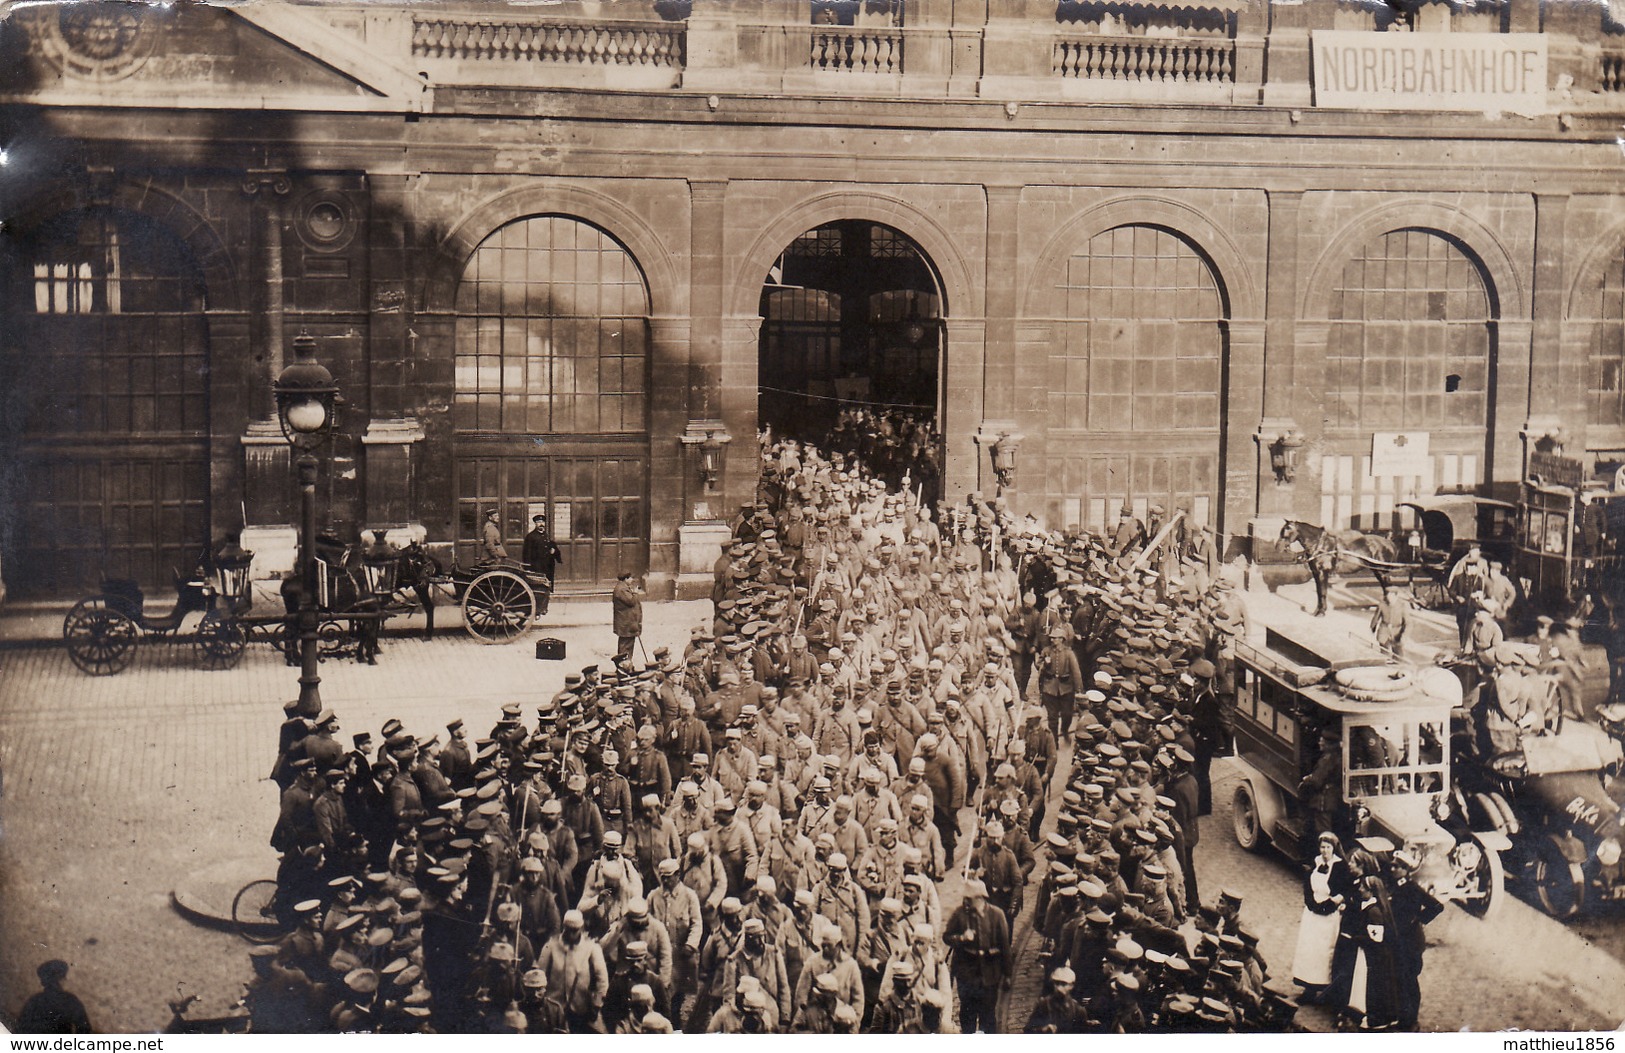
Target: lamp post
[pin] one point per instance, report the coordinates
(306, 404)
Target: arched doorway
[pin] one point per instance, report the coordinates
(851, 324)
(1137, 378)
(551, 404)
(1409, 352)
(105, 422)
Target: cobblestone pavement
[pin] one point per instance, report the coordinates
(117, 788)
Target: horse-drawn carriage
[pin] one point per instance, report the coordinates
(358, 590)
(102, 631)
(1445, 527)
(500, 599)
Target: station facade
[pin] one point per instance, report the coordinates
(1233, 258)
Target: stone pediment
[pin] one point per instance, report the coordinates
(251, 56)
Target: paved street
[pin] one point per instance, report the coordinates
(117, 788)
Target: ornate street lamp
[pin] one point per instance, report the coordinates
(379, 563)
(306, 406)
(232, 564)
(710, 462)
(1284, 456)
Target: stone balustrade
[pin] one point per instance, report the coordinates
(1612, 77)
(1145, 59)
(579, 42)
(844, 49)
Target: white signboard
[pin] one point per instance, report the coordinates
(1356, 69)
(1399, 453)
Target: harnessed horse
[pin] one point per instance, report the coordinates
(1326, 551)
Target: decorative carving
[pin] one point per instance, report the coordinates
(94, 40)
(274, 179)
(101, 181)
(326, 220)
(99, 32)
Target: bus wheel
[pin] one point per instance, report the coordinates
(1244, 818)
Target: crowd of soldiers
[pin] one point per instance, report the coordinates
(765, 831)
(899, 448)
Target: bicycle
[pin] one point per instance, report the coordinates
(256, 912)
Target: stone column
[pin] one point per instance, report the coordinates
(1274, 375)
(721, 401)
(1556, 410)
(963, 363)
(1247, 380)
(1003, 265)
(393, 436)
(1309, 367)
(669, 397)
(268, 504)
(1034, 338)
(1510, 412)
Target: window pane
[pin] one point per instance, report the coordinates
(547, 306)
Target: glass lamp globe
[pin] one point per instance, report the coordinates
(307, 416)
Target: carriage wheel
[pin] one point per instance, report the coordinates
(100, 639)
(1431, 595)
(1488, 881)
(220, 642)
(1245, 820)
(498, 606)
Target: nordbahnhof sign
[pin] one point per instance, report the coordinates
(1431, 71)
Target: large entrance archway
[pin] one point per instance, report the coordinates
(851, 325)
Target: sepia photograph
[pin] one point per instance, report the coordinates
(834, 517)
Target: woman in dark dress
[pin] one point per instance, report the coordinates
(1350, 928)
(1376, 988)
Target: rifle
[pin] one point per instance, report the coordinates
(976, 831)
(1157, 542)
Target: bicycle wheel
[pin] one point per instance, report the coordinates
(253, 912)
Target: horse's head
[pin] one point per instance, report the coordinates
(1289, 532)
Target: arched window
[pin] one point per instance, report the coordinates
(104, 430)
(1136, 380)
(551, 399)
(1142, 348)
(1409, 350)
(552, 333)
(1605, 367)
(1409, 313)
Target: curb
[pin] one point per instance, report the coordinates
(205, 897)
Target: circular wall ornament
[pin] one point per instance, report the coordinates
(327, 221)
(97, 41)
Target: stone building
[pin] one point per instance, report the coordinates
(1241, 258)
